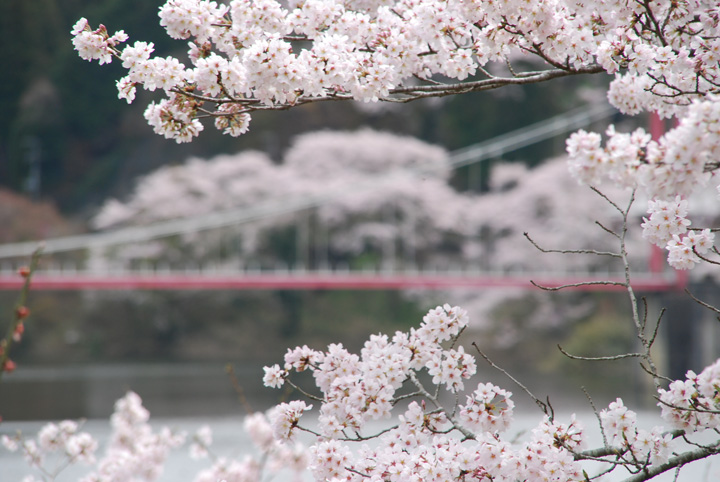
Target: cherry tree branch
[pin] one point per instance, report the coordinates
(20, 312)
(675, 462)
(600, 358)
(572, 251)
(433, 398)
(578, 285)
(701, 302)
(544, 406)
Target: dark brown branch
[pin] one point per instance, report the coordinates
(704, 258)
(657, 328)
(702, 303)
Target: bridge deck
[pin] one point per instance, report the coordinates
(325, 281)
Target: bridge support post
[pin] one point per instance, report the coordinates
(691, 330)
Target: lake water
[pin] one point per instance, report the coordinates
(168, 390)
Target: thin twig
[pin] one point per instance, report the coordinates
(238, 389)
(466, 433)
(571, 251)
(700, 302)
(656, 375)
(607, 230)
(362, 438)
(600, 358)
(704, 258)
(577, 285)
(657, 328)
(309, 395)
(685, 409)
(610, 201)
(543, 406)
(597, 416)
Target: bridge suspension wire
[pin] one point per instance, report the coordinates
(532, 134)
(489, 149)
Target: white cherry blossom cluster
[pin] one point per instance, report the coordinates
(693, 404)
(488, 409)
(259, 54)
(418, 450)
(430, 442)
(135, 450)
(284, 419)
(638, 446)
(56, 445)
(137, 453)
(271, 455)
(667, 228)
(667, 219)
(668, 170)
(357, 389)
(685, 252)
(95, 44)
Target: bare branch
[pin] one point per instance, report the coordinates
(597, 416)
(577, 285)
(657, 328)
(395, 400)
(612, 203)
(656, 375)
(309, 395)
(571, 251)
(230, 370)
(545, 407)
(600, 358)
(705, 258)
(400, 94)
(607, 230)
(702, 303)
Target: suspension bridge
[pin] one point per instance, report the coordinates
(153, 276)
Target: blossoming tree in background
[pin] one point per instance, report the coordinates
(389, 193)
(248, 56)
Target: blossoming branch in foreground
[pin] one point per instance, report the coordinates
(431, 438)
(259, 54)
